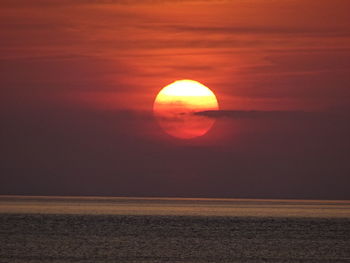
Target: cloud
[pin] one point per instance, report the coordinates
(258, 30)
(270, 115)
(55, 3)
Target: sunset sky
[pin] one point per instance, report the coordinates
(78, 79)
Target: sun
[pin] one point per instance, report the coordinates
(176, 105)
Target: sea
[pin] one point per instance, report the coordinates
(37, 229)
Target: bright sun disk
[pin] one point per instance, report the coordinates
(176, 104)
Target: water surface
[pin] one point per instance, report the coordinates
(56, 229)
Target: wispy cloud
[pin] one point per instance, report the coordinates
(274, 115)
(305, 31)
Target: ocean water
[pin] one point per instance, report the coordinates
(76, 229)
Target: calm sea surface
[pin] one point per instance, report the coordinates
(91, 229)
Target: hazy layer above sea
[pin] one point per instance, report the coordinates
(174, 206)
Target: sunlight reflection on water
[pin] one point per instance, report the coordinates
(174, 206)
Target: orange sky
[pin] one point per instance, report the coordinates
(78, 79)
(253, 54)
